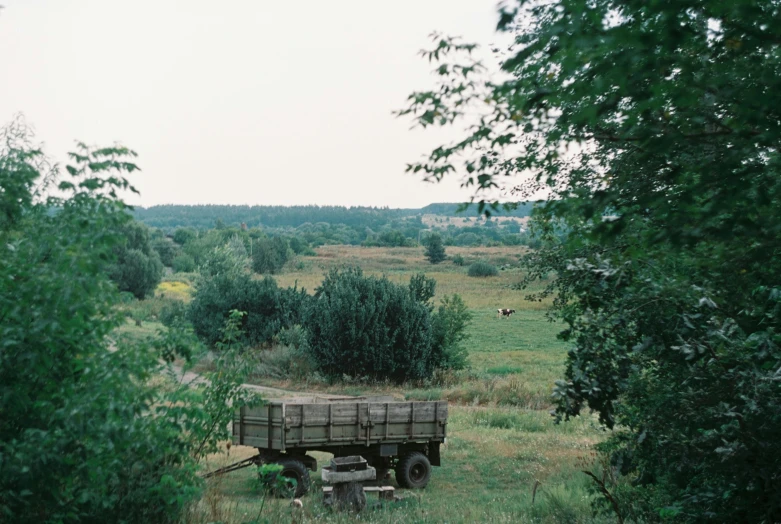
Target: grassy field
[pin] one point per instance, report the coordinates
(504, 461)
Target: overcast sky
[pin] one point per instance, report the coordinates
(238, 101)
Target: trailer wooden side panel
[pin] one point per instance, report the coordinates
(280, 425)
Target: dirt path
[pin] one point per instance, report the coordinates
(192, 378)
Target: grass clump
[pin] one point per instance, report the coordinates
(424, 394)
(508, 419)
(482, 269)
(504, 369)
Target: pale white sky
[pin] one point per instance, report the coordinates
(238, 101)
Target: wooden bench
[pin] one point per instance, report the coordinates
(384, 492)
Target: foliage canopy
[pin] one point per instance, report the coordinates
(654, 127)
(84, 437)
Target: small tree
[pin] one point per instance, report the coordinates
(435, 250)
(138, 268)
(269, 255)
(450, 323)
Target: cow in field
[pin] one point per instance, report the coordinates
(505, 312)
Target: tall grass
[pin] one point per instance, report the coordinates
(482, 269)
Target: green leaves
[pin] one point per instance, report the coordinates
(77, 442)
(86, 435)
(653, 128)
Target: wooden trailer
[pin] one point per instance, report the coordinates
(391, 435)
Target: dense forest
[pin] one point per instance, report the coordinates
(206, 216)
(368, 226)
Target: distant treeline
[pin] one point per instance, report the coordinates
(170, 217)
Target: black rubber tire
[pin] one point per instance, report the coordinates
(413, 471)
(295, 469)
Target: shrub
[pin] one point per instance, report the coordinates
(223, 261)
(458, 260)
(369, 327)
(268, 308)
(173, 313)
(294, 336)
(184, 263)
(482, 269)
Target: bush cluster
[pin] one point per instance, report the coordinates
(268, 308)
(369, 327)
(482, 269)
(354, 325)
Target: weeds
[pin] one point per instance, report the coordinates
(284, 362)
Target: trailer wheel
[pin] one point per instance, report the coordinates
(295, 470)
(413, 470)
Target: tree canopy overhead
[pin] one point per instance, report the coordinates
(654, 128)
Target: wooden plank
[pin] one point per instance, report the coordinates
(357, 419)
(269, 427)
(303, 423)
(347, 414)
(436, 418)
(412, 418)
(387, 421)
